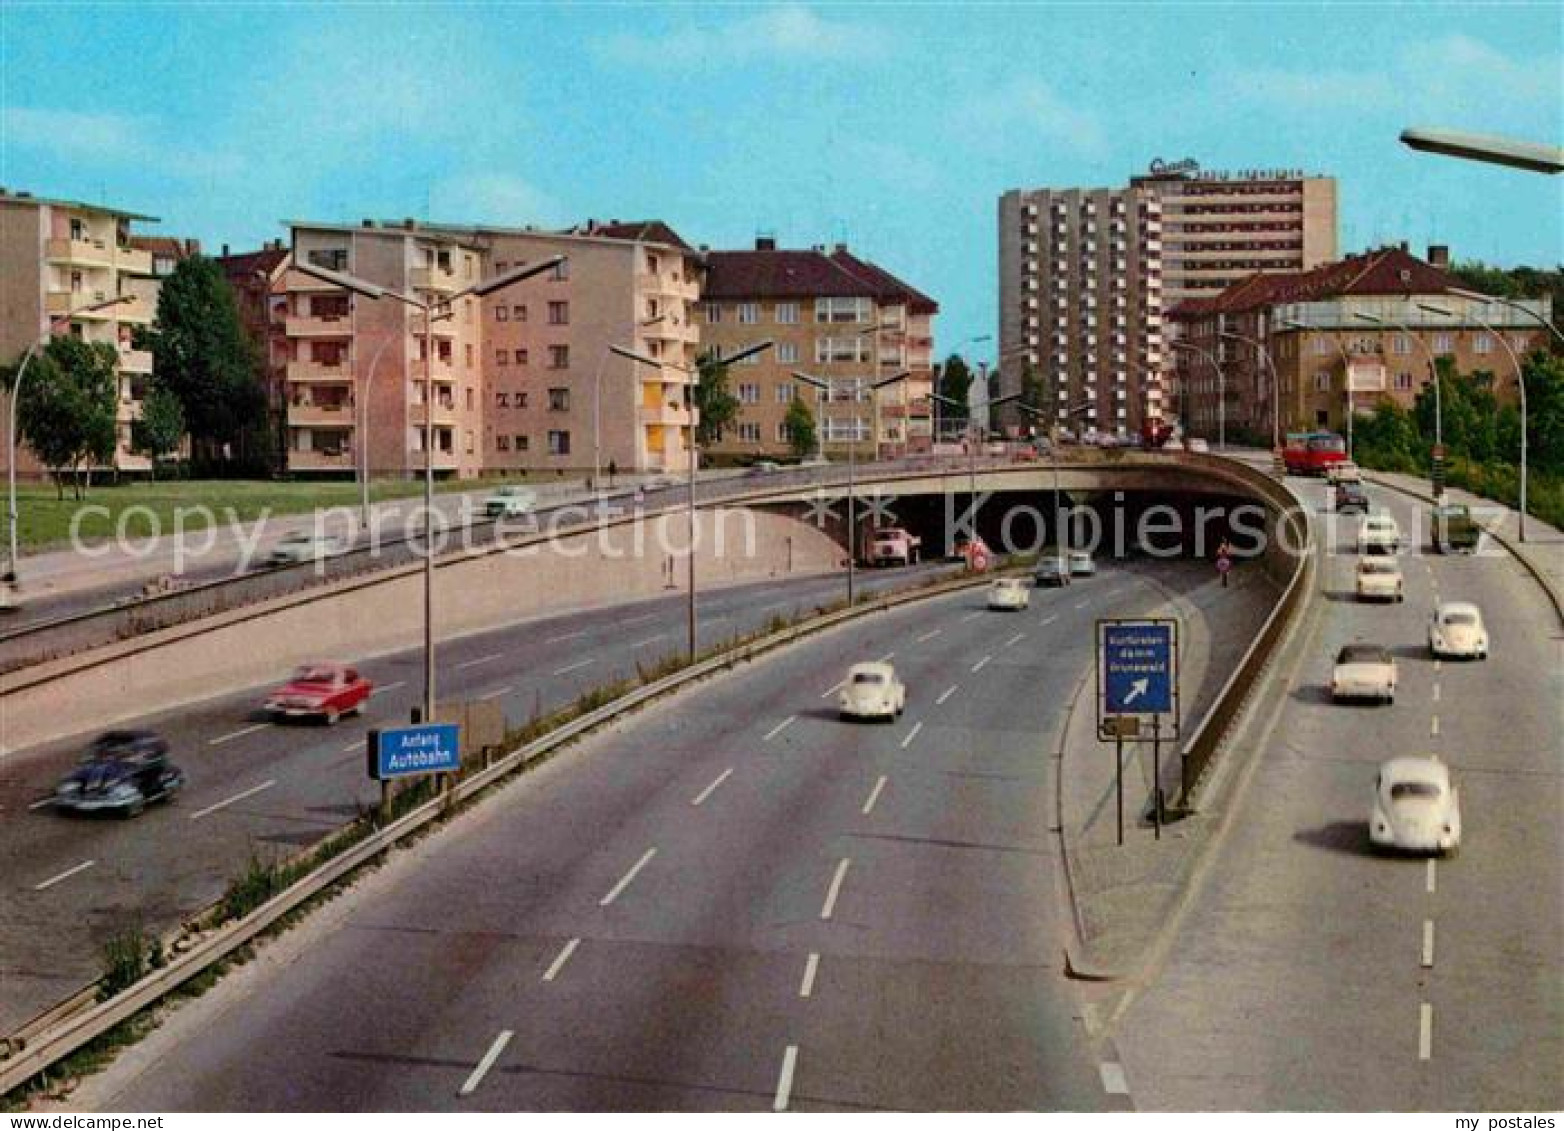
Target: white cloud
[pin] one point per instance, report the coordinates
(1458, 63)
(97, 140)
(1026, 111)
(494, 198)
(790, 33)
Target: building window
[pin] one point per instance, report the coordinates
(558, 313)
(470, 405)
(502, 443)
(749, 394)
(502, 314)
(467, 354)
(1442, 343)
(559, 400)
(749, 431)
(829, 350)
(501, 400)
(501, 357)
(559, 443)
(522, 443)
(787, 313)
(787, 351)
(519, 312)
(469, 441)
(1322, 381)
(1483, 344)
(1403, 380)
(841, 309)
(714, 312)
(652, 263)
(785, 393)
(333, 258)
(521, 357)
(783, 435)
(559, 357)
(1401, 344)
(749, 313)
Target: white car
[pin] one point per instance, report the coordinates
(1173, 445)
(1343, 472)
(1081, 564)
(1416, 807)
(1364, 671)
(1009, 593)
(1378, 534)
(872, 691)
(1457, 629)
(1196, 444)
(1379, 579)
(303, 546)
(510, 501)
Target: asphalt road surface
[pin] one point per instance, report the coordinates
(733, 900)
(1311, 973)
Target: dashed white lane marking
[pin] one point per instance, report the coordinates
(1425, 1031)
(470, 1085)
(629, 878)
(712, 788)
(41, 803)
(640, 619)
(240, 733)
(946, 694)
(1428, 942)
(970, 616)
(234, 800)
(830, 691)
(1046, 621)
(65, 875)
(560, 639)
(489, 659)
(785, 1080)
(1438, 664)
(1113, 1081)
(389, 687)
(355, 745)
(560, 959)
(1436, 693)
(1433, 727)
(1082, 604)
(981, 664)
(780, 727)
(835, 888)
(887, 658)
(1432, 881)
(911, 734)
(496, 693)
(1016, 639)
(811, 967)
(929, 635)
(874, 795)
(649, 640)
(574, 667)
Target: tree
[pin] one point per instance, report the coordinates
(1033, 390)
(955, 384)
(67, 408)
(1513, 282)
(800, 425)
(161, 427)
(201, 355)
(718, 407)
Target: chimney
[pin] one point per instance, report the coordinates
(366, 223)
(765, 243)
(409, 223)
(1404, 246)
(839, 249)
(1439, 254)
(225, 251)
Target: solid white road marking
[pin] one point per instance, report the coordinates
(946, 694)
(1428, 942)
(41, 803)
(981, 664)
(65, 875)
(911, 734)
(1431, 880)
(780, 727)
(560, 959)
(874, 795)
(1425, 1031)
(807, 986)
(566, 636)
(710, 789)
(1016, 639)
(785, 1080)
(251, 792)
(830, 691)
(835, 889)
(496, 693)
(574, 667)
(389, 687)
(649, 640)
(471, 1084)
(489, 659)
(628, 878)
(1113, 1081)
(929, 635)
(970, 616)
(220, 739)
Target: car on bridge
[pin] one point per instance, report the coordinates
(121, 773)
(1009, 593)
(1364, 671)
(1379, 579)
(1052, 570)
(1378, 534)
(1351, 497)
(321, 691)
(1081, 563)
(1456, 630)
(1417, 808)
(872, 691)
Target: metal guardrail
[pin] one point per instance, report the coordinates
(61, 1031)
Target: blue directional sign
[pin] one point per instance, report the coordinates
(1137, 673)
(401, 751)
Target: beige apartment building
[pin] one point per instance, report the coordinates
(833, 316)
(57, 256)
(1312, 332)
(1080, 289)
(516, 373)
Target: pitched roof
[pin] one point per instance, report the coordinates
(917, 302)
(171, 246)
(1384, 271)
(771, 273)
(247, 263)
(640, 231)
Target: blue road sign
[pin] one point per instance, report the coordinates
(397, 752)
(1138, 666)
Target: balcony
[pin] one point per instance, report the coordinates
(660, 284)
(135, 361)
(317, 372)
(80, 253)
(432, 279)
(324, 326)
(322, 416)
(328, 460)
(666, 415)
(444, 415)
(133, 260)
(63, 302)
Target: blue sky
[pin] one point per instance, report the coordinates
(894, 127)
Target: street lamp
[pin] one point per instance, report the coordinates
(597, 395)
(824, 384)
(1520, 381)
(1060, 530)
(16, 397)
(375, 291)
(1276, 383)
(1221, 390)
(1346, 369)
(1433, 373)
(1518, 307)
(972, 445)
(1487, 148)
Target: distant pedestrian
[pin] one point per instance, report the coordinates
(1224, 566)
(613, 470)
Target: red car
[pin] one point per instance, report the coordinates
(320, 691)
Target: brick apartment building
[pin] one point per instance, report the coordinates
(834, 316)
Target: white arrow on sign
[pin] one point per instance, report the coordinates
(1137, 689)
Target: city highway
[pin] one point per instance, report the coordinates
(733, 900)
(1310, 974)
(258, 788)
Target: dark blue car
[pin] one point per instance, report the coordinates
(122, 772)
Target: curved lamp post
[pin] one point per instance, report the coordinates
(1060, 529)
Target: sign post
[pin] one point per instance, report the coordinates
(1137, 692)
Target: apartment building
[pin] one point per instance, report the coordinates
(523, 377)
(1219, 227)
(831, 315)
(258, 280)
(1311, 327)
(57, 256)
(1080, 290)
